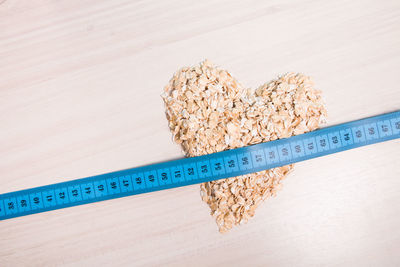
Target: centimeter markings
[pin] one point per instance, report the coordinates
(201, 169)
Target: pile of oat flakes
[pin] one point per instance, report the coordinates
(210, 111)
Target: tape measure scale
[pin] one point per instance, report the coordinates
(201, 169)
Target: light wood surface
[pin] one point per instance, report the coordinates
(80, 85)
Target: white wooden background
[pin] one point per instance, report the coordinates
(79, 95)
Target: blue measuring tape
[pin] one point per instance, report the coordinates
(201, 169)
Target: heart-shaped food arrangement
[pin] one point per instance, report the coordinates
(210, 111)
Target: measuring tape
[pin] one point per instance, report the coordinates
(201, 169)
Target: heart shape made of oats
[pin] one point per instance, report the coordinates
(210, 111)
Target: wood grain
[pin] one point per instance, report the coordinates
(79, 95)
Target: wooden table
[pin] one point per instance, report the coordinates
(80, 85)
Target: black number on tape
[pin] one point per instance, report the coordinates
(113, 185)
(322, 142)
(218, 166)
(151, 178)
(204, 169)
(335, 139)
(231, 163)
(371, 131)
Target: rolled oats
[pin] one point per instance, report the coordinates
(210, 111)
